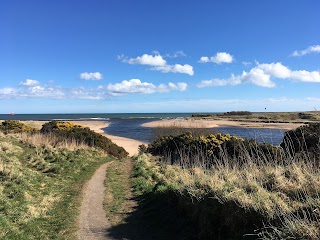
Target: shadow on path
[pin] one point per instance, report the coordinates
(153, 218)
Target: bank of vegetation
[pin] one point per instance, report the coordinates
(234, 188)
(41, 177)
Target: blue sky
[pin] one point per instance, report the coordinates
(103, 56)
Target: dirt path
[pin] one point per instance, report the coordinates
(93, 223)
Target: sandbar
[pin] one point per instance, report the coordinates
(208, 123)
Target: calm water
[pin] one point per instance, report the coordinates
(132, 128)
(129, 125)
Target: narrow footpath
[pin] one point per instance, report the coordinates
(93, 223)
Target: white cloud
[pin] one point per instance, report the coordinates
(220, 57)
(91, 76)
(246, 63)
(136, 86)
(176, 54)
(146, 59)
(7, 92)
(43, 92)
(158, 63)
(311, 49)
(261, 75)
(85, 93)
(30, 83)
(177, 68)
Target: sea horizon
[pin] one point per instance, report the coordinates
(95, 116)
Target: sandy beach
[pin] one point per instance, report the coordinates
(130, 145)
(206, 123)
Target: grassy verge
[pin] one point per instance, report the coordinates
(118, 191)
(40, 186)
(251, 201)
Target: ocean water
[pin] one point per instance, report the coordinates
(93, 116)
(129, 125)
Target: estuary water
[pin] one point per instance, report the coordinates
(129, 125)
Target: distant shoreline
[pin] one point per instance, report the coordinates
(211, 123)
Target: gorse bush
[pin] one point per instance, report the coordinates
(189, 150)
(13, 126)
(80, 134)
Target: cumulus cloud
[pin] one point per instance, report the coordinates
(311, 49)
(40, 91)
(176, 68)
(30, 83)
(158, 63)
(137, 86)
(146, 59)
(220, 57)
(261, 75)
(91, 76)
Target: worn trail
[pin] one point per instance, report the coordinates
(93, 223)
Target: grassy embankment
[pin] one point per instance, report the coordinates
(239, 191)
(42, 176)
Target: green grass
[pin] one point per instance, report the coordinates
(118, 191)
(40, 186)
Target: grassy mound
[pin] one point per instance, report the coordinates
(40, 186)
(80, 134)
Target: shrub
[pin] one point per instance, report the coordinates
(189, 150)
(302, 139)
(80, 134)
(14, 126)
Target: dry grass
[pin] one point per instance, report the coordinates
(51, 140)
(286, 195)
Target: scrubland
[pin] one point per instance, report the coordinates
(233, 188)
